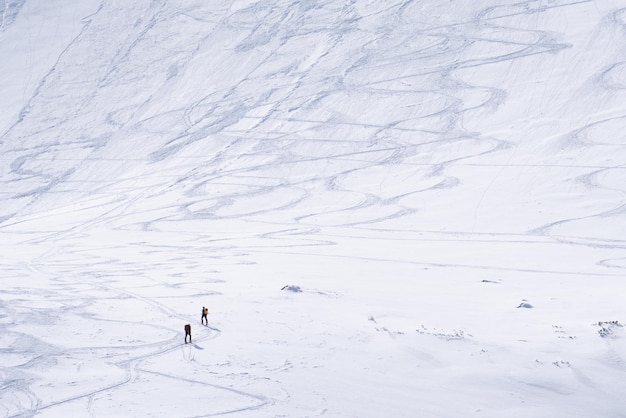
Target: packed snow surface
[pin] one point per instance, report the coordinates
(390, 208)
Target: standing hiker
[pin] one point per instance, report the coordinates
(187, 333)
(204, 319)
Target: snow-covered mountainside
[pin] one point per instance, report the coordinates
(391, 209)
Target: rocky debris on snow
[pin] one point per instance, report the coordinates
(292, 288)
(525, 305)
(608, 328)
(561, 333)
(448, 335)
(562, 364)
(388, 331)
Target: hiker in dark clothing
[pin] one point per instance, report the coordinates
(187, 333)
(204, 319)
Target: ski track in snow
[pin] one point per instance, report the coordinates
(329, 123)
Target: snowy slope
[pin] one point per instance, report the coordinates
(441, 182)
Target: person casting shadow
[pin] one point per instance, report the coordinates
(204, 319)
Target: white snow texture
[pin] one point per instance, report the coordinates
(390, 208)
